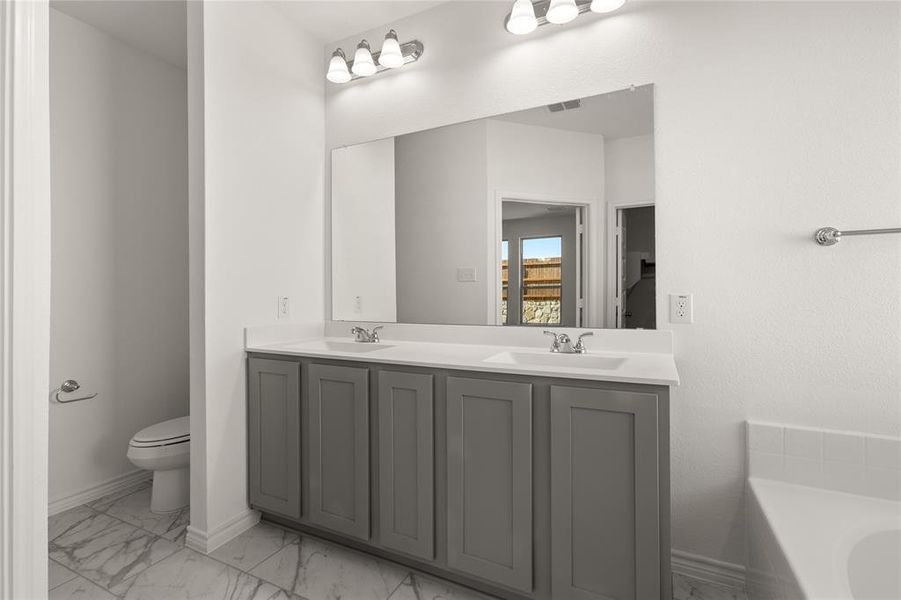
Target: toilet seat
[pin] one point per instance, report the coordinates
(167, 433)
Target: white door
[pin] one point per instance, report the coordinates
(621, 286)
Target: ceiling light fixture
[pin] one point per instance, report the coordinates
(367, 63)
(526, 16)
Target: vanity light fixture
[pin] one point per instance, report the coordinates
(522, 18)
(562, 11)
(366, 63)
(363, 65)
(526, 16)
(391, 57)
(337, 68)
(606, 6)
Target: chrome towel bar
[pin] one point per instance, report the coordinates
(829, 236)
(68, 386)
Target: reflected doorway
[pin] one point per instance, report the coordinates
(541, 264)
(635, 298)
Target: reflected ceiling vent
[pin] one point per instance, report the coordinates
(568, 105)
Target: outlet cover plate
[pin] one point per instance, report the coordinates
(680, 309)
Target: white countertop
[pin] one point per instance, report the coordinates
(625, 367)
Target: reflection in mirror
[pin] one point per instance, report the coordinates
(535, 218)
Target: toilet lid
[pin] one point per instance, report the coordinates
(168, 432)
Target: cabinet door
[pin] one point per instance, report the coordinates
(604, 501)
(406, 463)
(339, 448)
(489, 486)
(273, 436)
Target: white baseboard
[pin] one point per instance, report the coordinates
(206, 542)
(708, 569)
(97, 491)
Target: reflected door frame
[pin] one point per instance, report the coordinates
(613, 255)
(592, 282)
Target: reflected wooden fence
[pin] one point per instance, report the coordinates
(542, 279)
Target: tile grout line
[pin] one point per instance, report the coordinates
(397, 587)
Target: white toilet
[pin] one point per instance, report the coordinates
(165, 448)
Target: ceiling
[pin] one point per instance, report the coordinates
(625, 113)
(528, 210)
(335, 20)
(154, 26)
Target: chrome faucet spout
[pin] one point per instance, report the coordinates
(364, 336)
(564, 345)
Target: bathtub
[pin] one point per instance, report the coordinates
(808, 543)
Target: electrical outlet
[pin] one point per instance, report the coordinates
(680, 310)
(358, 305)
(284, 307)
(466, 274)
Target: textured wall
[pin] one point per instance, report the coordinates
(260, 218)
(771, 120)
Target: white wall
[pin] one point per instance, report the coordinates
(363, 245)
(771, 120)
(260, 215)
(629, 168)
(119, 249)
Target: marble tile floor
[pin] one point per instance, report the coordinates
(116, 548)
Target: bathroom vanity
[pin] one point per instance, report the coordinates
(515, 471)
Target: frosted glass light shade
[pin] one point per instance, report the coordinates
(562, 11)
(522, 18)
(606, 6)
(391, 57)
(337, 68)
(363, 64)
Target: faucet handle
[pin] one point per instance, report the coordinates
(580, 345)
(374, 335)
(555, 345)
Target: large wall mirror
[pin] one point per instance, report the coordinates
(538, 217)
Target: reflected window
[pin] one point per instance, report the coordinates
(542, 285)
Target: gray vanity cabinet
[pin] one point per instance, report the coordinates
(273, 435)
(523, 487)
(406, 463)
(338, 399)
(489, 480)
(604, 495)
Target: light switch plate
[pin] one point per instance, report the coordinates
(358, 305)
(680, 309)
(466, 274)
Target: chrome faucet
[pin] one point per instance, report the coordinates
(365, 336)
(564, 345)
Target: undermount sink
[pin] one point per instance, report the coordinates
(549, 359)
(358, 347)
